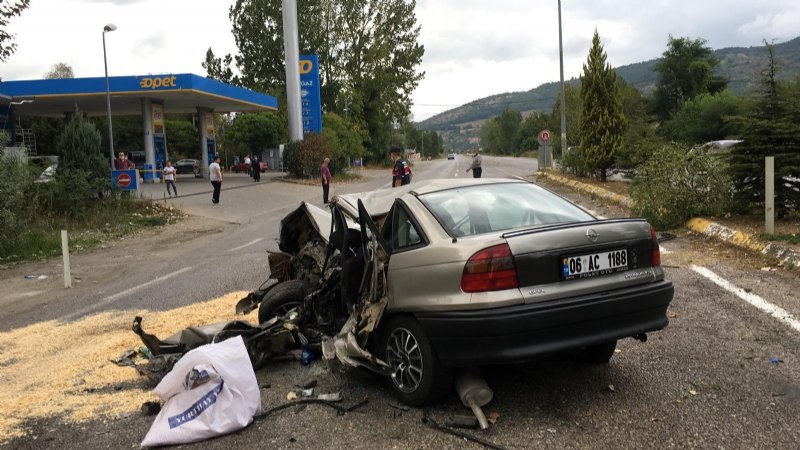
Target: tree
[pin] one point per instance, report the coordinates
(601, 124)
(490, 136)
(368, 56)
(255, 132)
(573, 112)
(219, 68)
(641, 139)
(8, 10)
(769, 127)
(508, 127)
(685, 71)
(59, 71)
(529, 131)
(704, 118)
(182, 139)
(343, 139)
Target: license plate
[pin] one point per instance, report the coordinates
(594, 264)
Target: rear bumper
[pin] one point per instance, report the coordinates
(519, 333)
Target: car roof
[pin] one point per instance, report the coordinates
(378, 202)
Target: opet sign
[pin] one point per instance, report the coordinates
(157, 82)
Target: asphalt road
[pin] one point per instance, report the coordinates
(706, 381)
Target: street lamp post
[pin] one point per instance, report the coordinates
(563, 91)
(108, 28)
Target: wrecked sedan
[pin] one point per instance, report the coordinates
(449, 273)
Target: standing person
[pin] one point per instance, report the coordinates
(215, 174)
(256, 168)
(401, 172)
(325, 174)
(120, 162)
(476, 164)
(247, 164)
(169, 178)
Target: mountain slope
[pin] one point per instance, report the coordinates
(741, 65)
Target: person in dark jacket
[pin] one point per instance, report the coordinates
(401, 172)
(256, 168)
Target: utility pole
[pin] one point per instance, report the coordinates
(292, 49)
(563, 90)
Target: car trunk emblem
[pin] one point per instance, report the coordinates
(592, 235)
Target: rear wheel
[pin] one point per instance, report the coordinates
(282, 298)
(598, 353)
(417, 377)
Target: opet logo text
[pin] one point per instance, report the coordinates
(157, 82)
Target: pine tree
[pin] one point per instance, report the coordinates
(769, 128)
(602, 123)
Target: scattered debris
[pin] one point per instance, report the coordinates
(428, 420)
(462, 422)
(551, 430)
(307, 392)
(672, 314)
(334, 397)
(341, 410)
(775, 360)
(692, 391)
(611, 388)
(151, 408)
(125, 359)
(493, 417)
(308, 384)
(292, 395)
(265, 386)
(400, 407)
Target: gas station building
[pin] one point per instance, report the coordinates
(151, 96)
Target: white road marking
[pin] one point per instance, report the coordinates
(112, 298)
(753, 299)
(246, 245)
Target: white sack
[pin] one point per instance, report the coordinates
(211, 391)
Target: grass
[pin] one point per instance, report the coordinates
(105, 221)
(793, 239)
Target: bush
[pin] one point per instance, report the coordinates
(675, 185)
(71, 193)
(574, 163)
(303, 158)
(15, 203)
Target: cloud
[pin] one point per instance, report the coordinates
(150, 45)
(782, 25)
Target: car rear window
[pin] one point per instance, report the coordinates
(487, 208)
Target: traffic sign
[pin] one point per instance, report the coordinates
(545, 136)
(123, 180)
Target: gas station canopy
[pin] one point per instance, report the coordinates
(179, 93)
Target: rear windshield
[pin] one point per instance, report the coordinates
(496, 207)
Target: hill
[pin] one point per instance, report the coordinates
(741, 65)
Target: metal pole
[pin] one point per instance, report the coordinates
(292, 49)
(563, 91)
(65, 255)
(769, 188)
(108, 105)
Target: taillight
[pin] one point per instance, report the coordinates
(655, 257)
(491, 269)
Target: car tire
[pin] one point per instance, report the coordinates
(417, 377)
(598, 353)
(281, 298)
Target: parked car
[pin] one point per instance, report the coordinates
(245, 168)
(415, 281)
(451, 156)
(189, 166)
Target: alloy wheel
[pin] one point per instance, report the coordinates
(405, 359)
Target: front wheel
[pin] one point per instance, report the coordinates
(417, 377)
(282, 298)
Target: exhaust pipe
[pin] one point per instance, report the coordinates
(474, 393)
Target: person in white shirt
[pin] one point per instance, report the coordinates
(215, 174)
(248, 163)
(169, 178)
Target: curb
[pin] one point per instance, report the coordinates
(786, 256)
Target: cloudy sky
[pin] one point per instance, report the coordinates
(473, 48)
